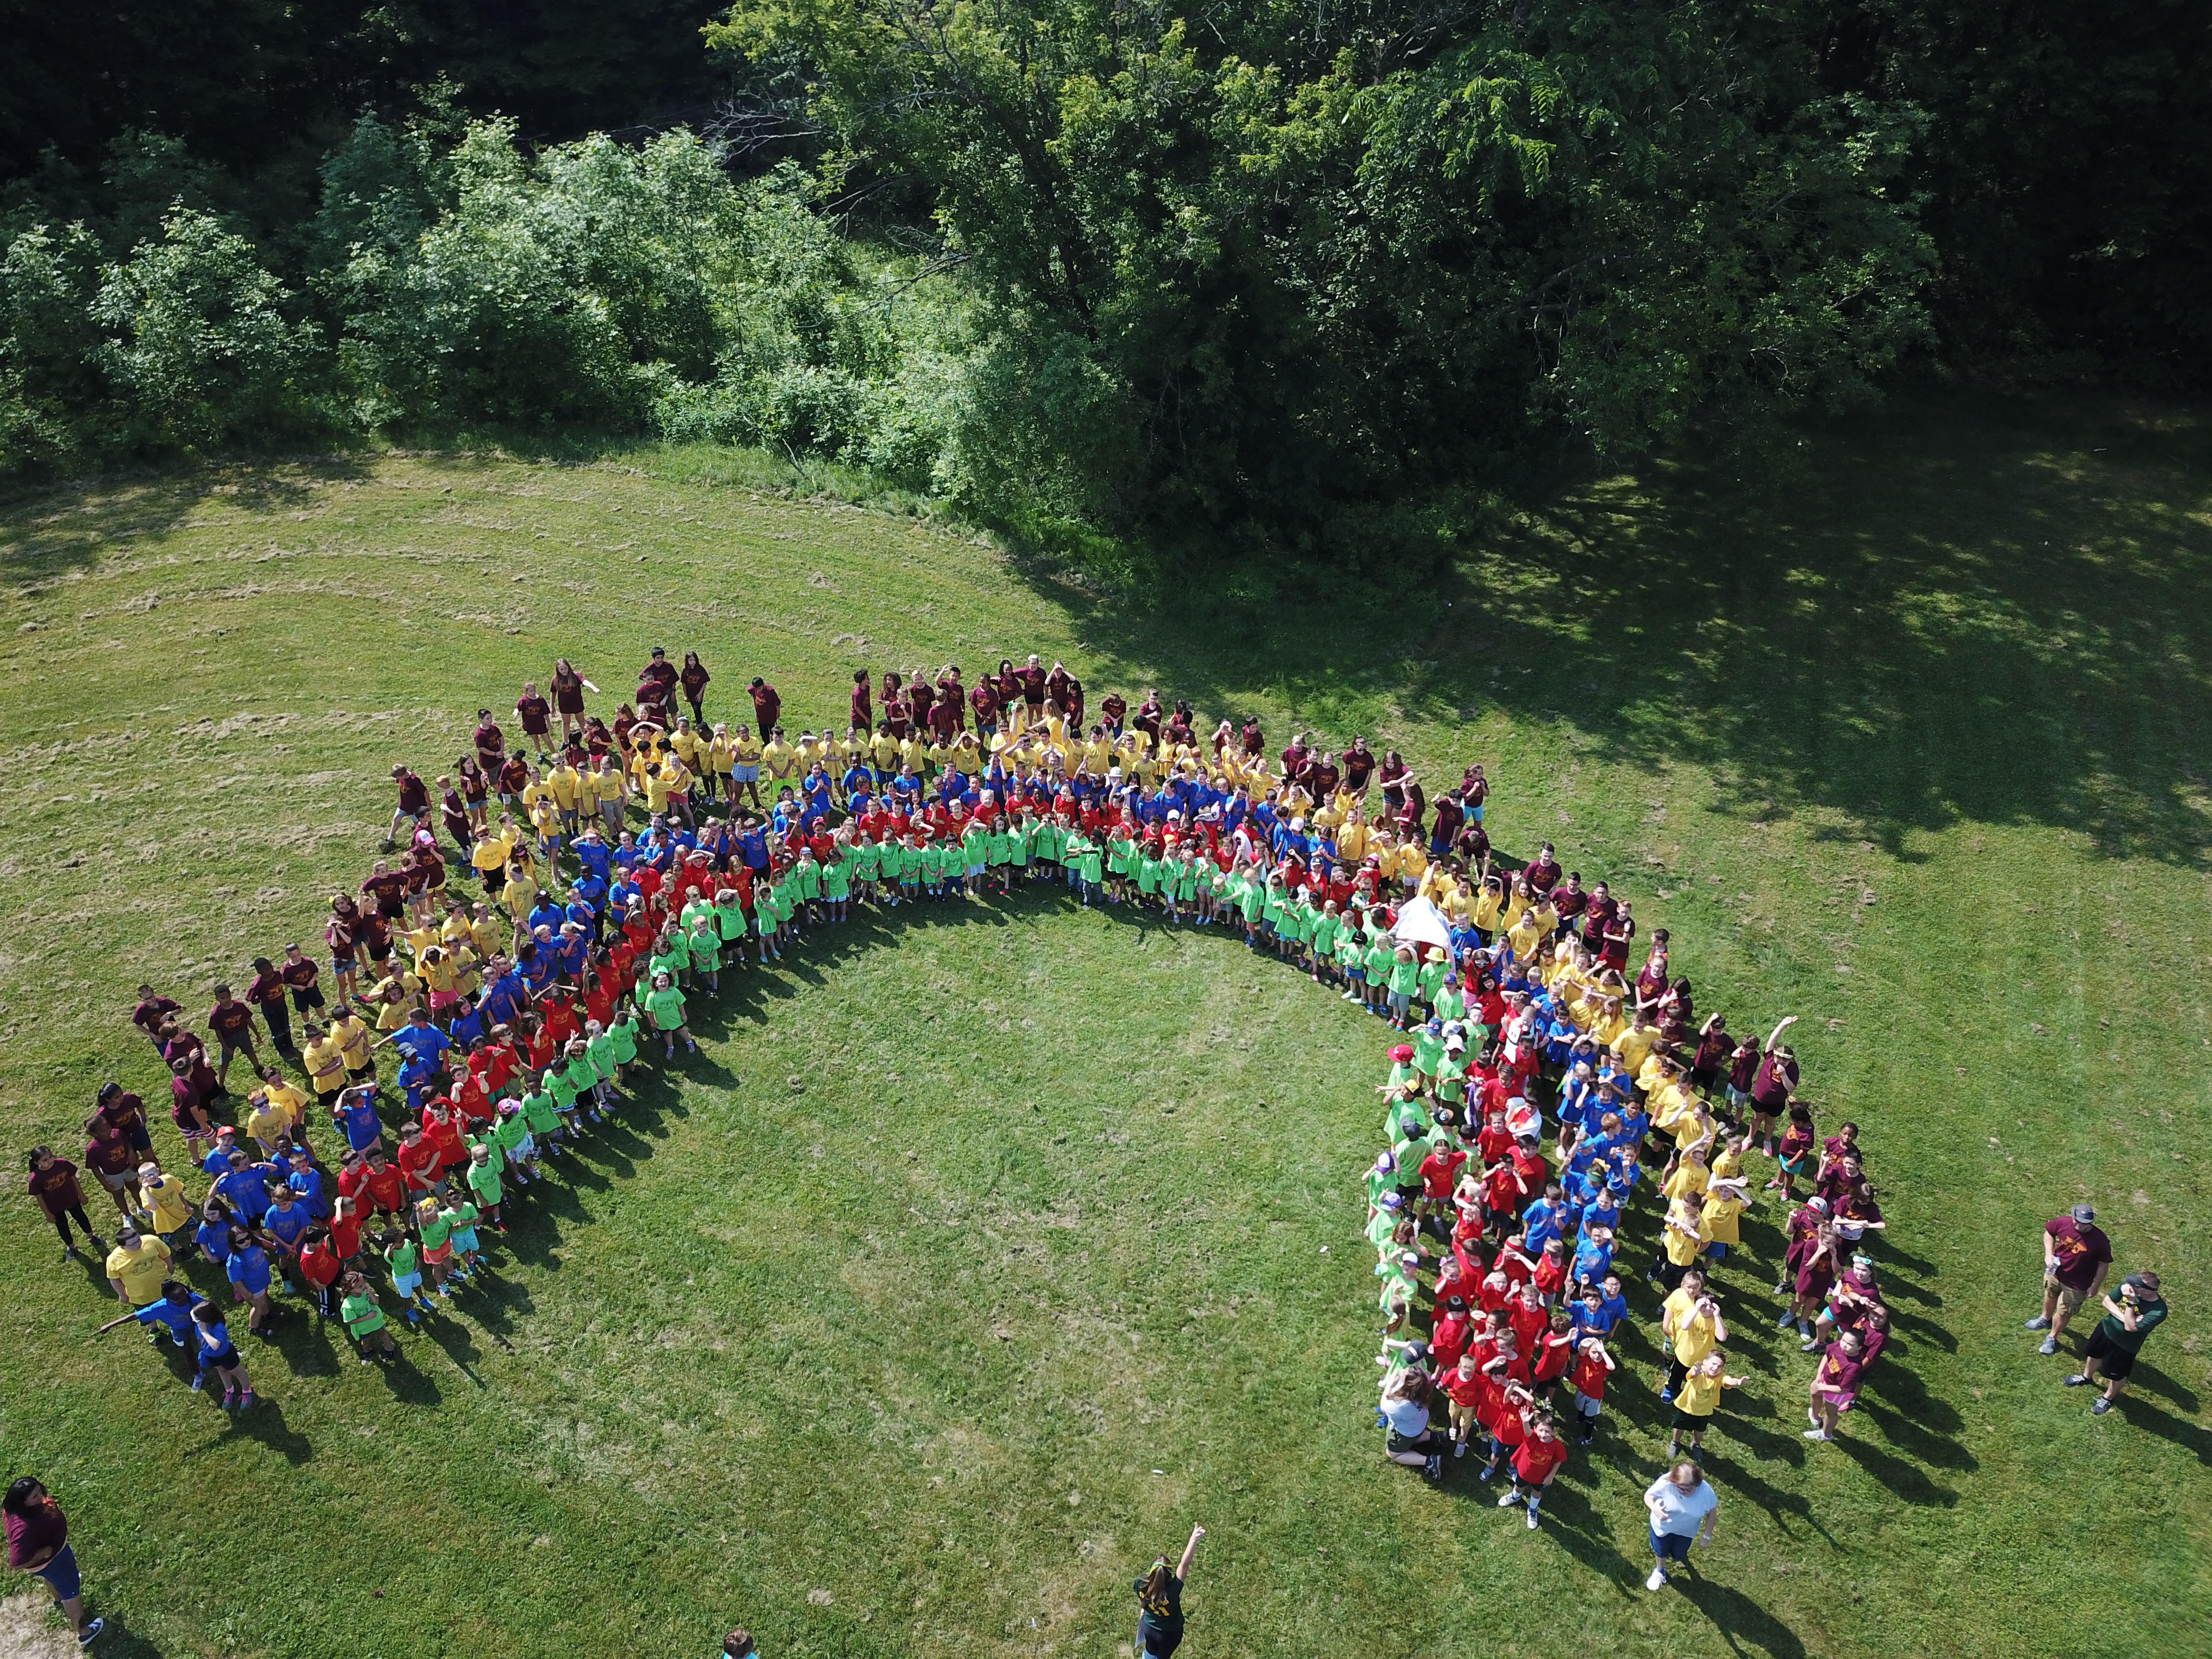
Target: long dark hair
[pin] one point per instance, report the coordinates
(1152, 1594)
(22, 1492)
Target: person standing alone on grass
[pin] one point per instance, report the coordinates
(1683, 1509)
(2118, 1338)
(1159, 1602)
(38, 1542)
(2076, 1256)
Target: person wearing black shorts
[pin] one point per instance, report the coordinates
(2128, 1322)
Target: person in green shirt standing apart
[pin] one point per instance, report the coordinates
(2119, 1336)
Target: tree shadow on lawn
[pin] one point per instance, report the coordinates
(69, 527)
(1885, 629)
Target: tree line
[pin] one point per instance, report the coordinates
(1085, 262)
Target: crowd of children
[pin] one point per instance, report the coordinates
(623, 866)
(1501, 1266)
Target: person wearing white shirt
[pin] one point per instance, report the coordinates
(1683, 1509)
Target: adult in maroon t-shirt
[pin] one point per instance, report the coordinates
(38, 1542)
(53, 1185)
(490, 741)
(984, 699)
(1031, 677)
(921, 701)
(656, 684)
(693, 677)
(152, 1011)
(2076, 1256)
(1358, 766)
(536, 715)
(231, 1022)
(568, 688)
(864, 705)
(768, 708)
(950, 689)
(1542, 871)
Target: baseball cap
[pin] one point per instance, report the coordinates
(2083, 1213)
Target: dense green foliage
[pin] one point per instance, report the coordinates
(594, 284)
(1262, 269)
(1285, 258)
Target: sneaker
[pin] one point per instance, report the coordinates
(1507, 1498)
(199, 1381)
(2099, 1406)
(1532, 1520)
(1666, 1396)
(1459, 1450)
(1786, 1322)
(2048, 1346)
(1434, 1468)
(363, 1358)
(1657, 1580)
(91, 1633)
(445, 1290)
(246, 1400)
(229, 1398)
(1486, 1473)
(1806, 1346)
(1816, 1434)
(2077, 1380)
(2039, 1323)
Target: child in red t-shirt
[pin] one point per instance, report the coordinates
(1593, 1365)
(1465, 1386)
(1554, 1353)
(1507, 1425)
(1536, 1462)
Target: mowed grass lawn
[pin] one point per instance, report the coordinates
(1054, 1245)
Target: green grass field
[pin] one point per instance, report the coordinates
(1055, 1249)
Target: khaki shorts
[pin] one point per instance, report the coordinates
(2070, 1299)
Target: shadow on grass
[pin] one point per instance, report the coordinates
(1740, 1623)
(69, 526)
(1879, 631)
(2141, 1413)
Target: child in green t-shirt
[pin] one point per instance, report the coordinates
(600, 1052)
(1405, 980)
(664, 1003)
(1380, 959)
(484, 1182)
(460, 1217)
(404, 1257)
(704, 942)
(364, 1319)
(837, 883)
